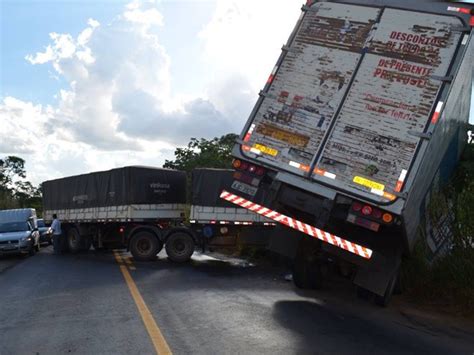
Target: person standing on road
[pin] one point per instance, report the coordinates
(56, 228)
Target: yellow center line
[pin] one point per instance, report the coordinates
(154, 332)
(128, 261)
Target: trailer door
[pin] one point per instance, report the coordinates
(390, 104)
(308, 85)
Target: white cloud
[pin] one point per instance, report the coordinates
(118, 107)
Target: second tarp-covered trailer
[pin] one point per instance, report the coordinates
(137, 207)
(219, 222)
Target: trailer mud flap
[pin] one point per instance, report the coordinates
(305, 228)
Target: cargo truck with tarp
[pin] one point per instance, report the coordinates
(366, 107)
(144, 209)
(136, 207)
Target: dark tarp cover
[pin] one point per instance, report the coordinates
(122, 186)
(207, 185)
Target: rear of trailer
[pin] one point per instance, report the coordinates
(221, 223)
(366, 107)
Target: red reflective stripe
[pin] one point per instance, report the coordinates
(298, 225)
(464, 10)
(471, 21)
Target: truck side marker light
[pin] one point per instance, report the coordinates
(272, 75)
(324, 173)
(249, 133)
(400, 181)
(435, 117)
(300, 226)
(462, 10)
(299, 166)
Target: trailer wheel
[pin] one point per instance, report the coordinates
(179, 247)
(73, 240)
(307, 269)
(145, 245)
(384, 300)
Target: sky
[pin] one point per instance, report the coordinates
(92, 85)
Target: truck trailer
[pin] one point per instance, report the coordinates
(143, 209)
(365, 111)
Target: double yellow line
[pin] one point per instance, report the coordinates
(159, 342)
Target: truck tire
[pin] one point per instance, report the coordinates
(145, 245)
(307, 274)
(307, 270)
(179, 247)
(73, 240)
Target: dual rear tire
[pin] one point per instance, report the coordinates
(145, 245)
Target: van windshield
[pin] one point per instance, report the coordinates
(13, 227)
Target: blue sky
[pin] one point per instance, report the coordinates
(91, 85)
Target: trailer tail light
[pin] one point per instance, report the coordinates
(376, 213)
(244, 166)
(366, 210)
(356, 206)
(236, 163)
(121, 229)
(387, 218)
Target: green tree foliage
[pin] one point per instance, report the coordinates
(203, 153)
(15, 191)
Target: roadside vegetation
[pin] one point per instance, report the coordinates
(15, 190)
(448, 282)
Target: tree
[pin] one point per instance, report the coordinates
(203, 153)
(11, 167)
(15, 191)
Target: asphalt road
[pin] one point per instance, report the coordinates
(84, 304)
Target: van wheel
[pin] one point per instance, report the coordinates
(145, 245)
(73, 240)
(179, 247)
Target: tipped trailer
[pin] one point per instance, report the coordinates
(363, 115)
(143, 209)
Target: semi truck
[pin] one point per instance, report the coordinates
(144, 209)
(363, 115)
